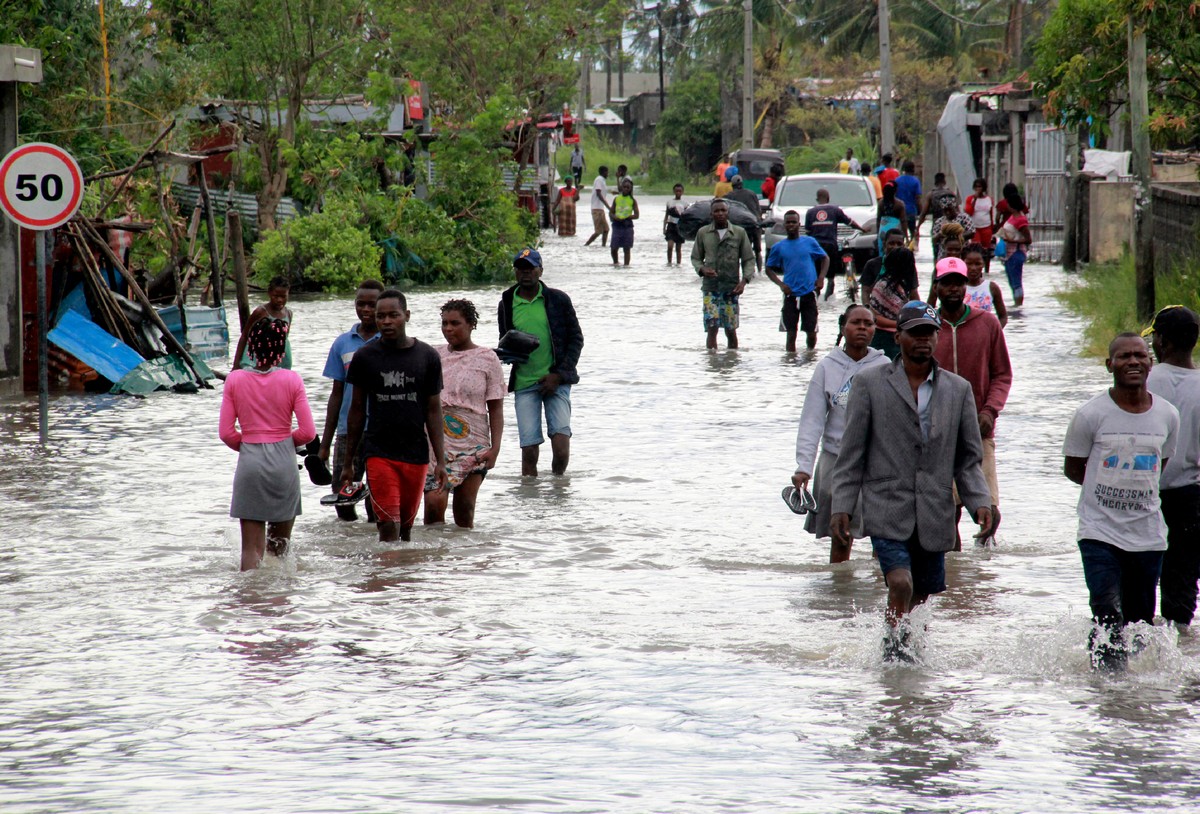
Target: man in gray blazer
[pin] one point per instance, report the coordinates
(911, 431)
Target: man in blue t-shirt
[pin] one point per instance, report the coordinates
(338, 406)
(804, 265)
(908, 190)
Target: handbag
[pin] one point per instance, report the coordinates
(515, 346)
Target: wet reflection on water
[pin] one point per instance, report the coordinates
(653, 632)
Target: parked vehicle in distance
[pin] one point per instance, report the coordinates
(853, 193)
(755, 166)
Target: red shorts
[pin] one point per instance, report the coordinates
(983, 236)
(396, 490)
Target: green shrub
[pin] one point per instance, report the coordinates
(598, 151)
(1105, 294)
(823, 155)
(328, 251)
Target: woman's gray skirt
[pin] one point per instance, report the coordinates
(266, 485)
(817, 522)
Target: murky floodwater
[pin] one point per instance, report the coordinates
(653, 632)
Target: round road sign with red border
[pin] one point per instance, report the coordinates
(40, 186)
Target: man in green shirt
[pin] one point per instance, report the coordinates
(543, 381)
(720, 248)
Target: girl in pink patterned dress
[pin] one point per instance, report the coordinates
(473, 389)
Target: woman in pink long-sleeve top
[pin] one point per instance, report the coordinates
(261, 401)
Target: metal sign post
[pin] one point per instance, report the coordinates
(40, 189)
(43, 345)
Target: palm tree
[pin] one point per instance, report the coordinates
(678, 22)
(778, 27)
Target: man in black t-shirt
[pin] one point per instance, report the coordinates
(821, 223)
(397, 396)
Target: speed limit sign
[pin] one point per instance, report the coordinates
(40, 186)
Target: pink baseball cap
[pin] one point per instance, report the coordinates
(950, 265)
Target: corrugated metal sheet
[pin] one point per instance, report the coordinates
(529, 179)
(1045, 147)
(188, 197)
(1046, 196)
(207, 330)
(1045, 190)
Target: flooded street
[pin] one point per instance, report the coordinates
(653, 632)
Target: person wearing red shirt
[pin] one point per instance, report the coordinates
(768, 187)
(887, 173)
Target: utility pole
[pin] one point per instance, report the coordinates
(1070, 251)
(748, 75)
(1139, 115)
(107, 70)
(621, 60)
(583, 88)
(887, 110)
(662, 98)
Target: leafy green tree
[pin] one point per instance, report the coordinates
(1081, 64)
(466, 52)
(691, 122)
(150, 78)
(268, 59)
(777, 32)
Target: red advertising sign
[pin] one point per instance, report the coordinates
(416, 110)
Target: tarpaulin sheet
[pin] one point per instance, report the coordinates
(700, 214)
(1108, 163)
(94, 346)
(956, 141)
(162, 373)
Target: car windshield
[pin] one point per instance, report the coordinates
(842, 192)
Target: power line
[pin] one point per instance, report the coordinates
(1034, 7)
(78, 129)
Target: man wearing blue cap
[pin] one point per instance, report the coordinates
(543, 381)
(911, 432)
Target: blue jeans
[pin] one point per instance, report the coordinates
(928, 568)
(1014, 267)
(530, 403)
(1122, 588)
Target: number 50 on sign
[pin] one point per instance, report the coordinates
(40, 186)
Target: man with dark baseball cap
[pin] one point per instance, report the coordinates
(911, 432)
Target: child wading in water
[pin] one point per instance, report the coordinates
(675, 208)
(624, 211)
(980, 295)
(275, 308)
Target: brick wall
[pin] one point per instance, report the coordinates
(1176, 227)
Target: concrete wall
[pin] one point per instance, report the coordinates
(1110, 207)
(635, 83)
(1175, 173)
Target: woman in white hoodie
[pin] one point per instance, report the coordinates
(823, 418)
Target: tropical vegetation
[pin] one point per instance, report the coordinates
(489, 71)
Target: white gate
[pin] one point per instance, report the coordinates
(1045, 190)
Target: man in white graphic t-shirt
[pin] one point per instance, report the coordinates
(1116, 447)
